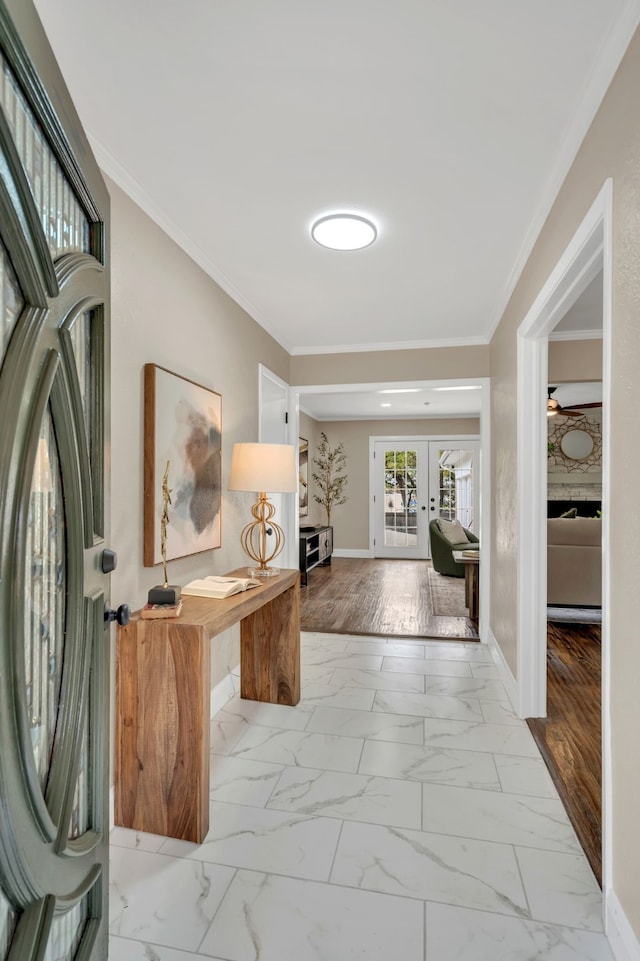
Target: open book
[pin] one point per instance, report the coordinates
(215, 586)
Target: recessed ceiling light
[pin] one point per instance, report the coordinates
(344, 232)
(385, 405)
(466, 387)
(401, 390)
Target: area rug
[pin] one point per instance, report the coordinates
(574, 615)
(447, 595)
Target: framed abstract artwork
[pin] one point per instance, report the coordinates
(303, 477)
(182, 440)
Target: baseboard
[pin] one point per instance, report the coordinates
(344, 552)
(221, 693)
(506, 676)
(621, 936)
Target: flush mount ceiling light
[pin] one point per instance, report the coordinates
(344, 232)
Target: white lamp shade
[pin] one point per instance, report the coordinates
(263, 468)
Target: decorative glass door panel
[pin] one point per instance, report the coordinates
(53, 647)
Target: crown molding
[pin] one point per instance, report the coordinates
(395, 345)
(575, 335)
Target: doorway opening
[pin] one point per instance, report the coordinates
(589, 252)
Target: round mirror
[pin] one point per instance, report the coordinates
(576, 444)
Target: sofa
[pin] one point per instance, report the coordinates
(574, 561)
(442, 550)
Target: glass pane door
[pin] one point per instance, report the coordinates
(401, 521)
(453, 488)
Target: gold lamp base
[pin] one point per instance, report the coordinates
(254, 538)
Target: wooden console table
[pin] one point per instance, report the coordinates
(471, 563)
(163, 690)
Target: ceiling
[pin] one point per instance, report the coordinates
(452, 123)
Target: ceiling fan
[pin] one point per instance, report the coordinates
(554, 408)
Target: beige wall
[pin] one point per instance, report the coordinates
(611, 149)
(166, 310)
(351, 521)
(311, 430)
(379, 367)
(575, 360)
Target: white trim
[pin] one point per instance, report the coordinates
(475, 341)
(575, 335)
(112, 807)
(221, 694)
(607, 331)
(504, 670)
(349, 552)
(613, 50)
(286, 504)
(621, 936)
(577, 265)
(590, 246)
(457, 415)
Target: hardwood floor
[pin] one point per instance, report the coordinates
(569, 737)
(388, 598)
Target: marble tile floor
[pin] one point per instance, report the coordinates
(401, 810)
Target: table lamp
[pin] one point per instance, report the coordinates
(262, 468)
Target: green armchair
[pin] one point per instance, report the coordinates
(442, 550)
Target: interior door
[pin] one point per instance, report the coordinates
(401, 472)
(53, 519)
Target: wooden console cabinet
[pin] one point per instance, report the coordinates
(163, 684)
(316, 547)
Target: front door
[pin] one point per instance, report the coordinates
(54, 668)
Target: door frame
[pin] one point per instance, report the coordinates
(590, 248)
(297, 394)
(286, 504)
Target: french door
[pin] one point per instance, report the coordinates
(416, 480)
(53, 521)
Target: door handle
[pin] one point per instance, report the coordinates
(122, 615)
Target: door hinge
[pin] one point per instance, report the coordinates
(286, 416)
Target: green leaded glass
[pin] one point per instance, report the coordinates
(45, 598)
(63, 220)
